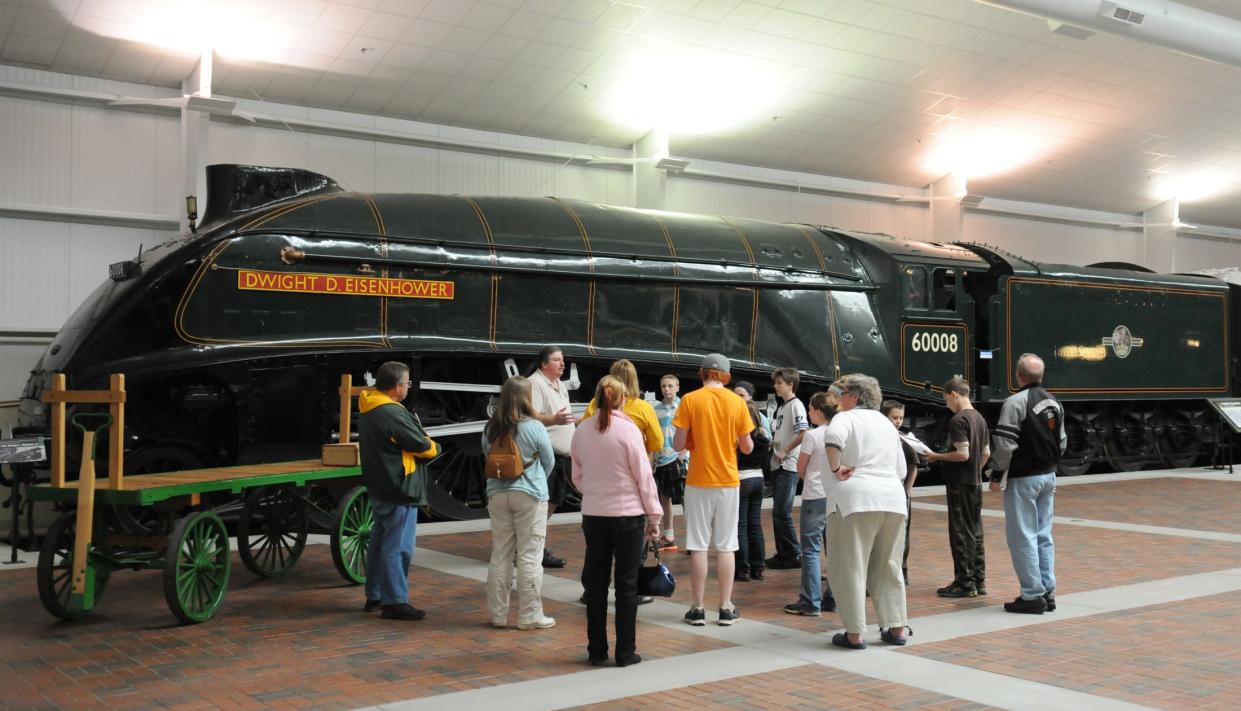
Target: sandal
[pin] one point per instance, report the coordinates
(664, 545)
(841, 639)
(887, 636)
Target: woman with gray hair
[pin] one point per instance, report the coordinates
(866, 513)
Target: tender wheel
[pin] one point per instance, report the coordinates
(196, 567)
(1077, 455)
(272, 530)
(1129, 448)
(1182, 440)
(351, 534)
(55, 569)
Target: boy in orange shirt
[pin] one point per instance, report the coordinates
(712, 423)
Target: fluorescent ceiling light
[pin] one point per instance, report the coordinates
(189, 27)
(980, 152)
(1193, 186)
(688, 91)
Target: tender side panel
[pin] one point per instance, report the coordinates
(1101, 339)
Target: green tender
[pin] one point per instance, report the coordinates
(150, 495)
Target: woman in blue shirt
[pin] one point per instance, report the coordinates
(518, 509)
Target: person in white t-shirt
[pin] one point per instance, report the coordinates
(550, 398)
(811, 468)
(866, 513)
(790, 426)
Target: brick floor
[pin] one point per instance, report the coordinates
(1174, 656)
(302, 642)
(298, 642)
(805, 688)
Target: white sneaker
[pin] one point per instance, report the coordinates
(499, 623)
(545, 623)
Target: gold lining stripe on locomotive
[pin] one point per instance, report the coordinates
(383, 252)
(581, 228)
(495, 278)
(754, 326)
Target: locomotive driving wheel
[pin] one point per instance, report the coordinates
(1077, 456)
(458, 489)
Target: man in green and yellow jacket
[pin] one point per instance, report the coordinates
(393, 448)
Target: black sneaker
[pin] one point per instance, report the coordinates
(779, 563)
(728, 616)
(980, 588)
(741, 576)
(798, 608)
(402, 611)
(756, 574)
(645, 600)
(828, 604)
(696, 617)
(371, 606)
(551, 561)
(1022, 606)
(1050, 598)
(630, 661)
(955, 590)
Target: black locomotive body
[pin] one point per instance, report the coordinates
(233, 338)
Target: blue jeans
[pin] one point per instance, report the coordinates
(813, 524)
(1029, 504)
(751, 549)
(390, 551)
(784, 483)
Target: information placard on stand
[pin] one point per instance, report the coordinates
(1229, 409)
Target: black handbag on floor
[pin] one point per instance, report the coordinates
(655, 580)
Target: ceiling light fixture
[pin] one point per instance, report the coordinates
(1193, 186)
(981, 152)
(689, 91)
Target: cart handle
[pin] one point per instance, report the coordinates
(80, 420)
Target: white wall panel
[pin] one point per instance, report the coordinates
(1054, 242)
(35, 150)
(407, 169)
(690, 195)
(1193, 253)
(16, 362)
(114, 160)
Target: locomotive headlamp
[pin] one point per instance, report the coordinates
(191, 210)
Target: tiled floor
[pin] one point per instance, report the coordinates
(302, 641)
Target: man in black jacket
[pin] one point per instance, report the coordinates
(392, 447)
(1029, 439)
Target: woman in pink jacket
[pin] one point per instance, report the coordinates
(620, 512)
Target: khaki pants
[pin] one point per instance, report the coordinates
(864, 552)
(518, 523)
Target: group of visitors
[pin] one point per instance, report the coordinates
(633, 461)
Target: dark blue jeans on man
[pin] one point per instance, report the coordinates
(390, 551)
(784, 488)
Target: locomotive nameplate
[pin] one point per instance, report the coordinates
(344, 285)
(931, 353)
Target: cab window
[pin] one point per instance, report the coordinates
(914, 287)
(944, 289)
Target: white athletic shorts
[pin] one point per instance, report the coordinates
(710, 518)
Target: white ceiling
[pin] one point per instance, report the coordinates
(865, 87)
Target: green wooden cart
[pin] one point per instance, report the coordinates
(281, 503)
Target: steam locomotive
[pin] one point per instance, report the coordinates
(233, 337)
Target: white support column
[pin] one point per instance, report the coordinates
(194, 138)
(649, 181)
(947, 215)
(1159, 236)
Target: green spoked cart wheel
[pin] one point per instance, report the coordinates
(196, 567)
(351, 534)
(272, 530)
(55, 570)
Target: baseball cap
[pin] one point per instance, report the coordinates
(715, 361)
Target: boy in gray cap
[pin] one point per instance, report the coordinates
(712, 423)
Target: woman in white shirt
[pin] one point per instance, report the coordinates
(866, 513)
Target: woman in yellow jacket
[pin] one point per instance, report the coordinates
(638, 410)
